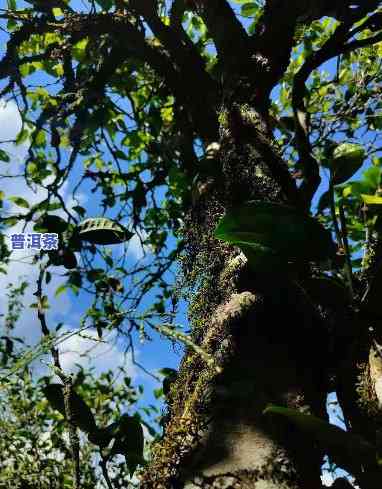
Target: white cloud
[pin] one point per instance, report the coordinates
(135, 248)
(10, 120)
(104, 356)
(86, 350)
(327, 479)
(21, 264)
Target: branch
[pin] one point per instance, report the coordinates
(335, 46)
(274, 39)
(345, 241)
(10, 61)
(177, 61)
(41, 316)
(186, 65)
(67, 381)
(275, 33)
(177, 10)
(230, 38)
(72, 428)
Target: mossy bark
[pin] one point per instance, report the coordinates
(263, 337)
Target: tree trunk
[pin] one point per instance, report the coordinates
(261, 333)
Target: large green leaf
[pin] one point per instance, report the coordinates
(103, 436)
(373, 202)
(82, 416)
(105, 4)
(129, 441)
(276, 231)
(51, 224)
(327, 291)
(170, 376)
(4, 156)
(249, 9)
(372, 199)
(103, 231)
(347, 450)
(346, 161)
(19, 201)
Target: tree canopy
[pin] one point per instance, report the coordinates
(190, 152)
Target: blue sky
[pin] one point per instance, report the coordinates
(68, 307)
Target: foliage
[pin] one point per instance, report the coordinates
(275, 231)
(34, 447)
(125, 102)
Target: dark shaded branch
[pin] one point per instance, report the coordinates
(10, 61)
(42, 318)
(274, 39)
(177, 10)
(335, 46)
(361, 43)
(178, 63)
(188, 65)
(229, 36)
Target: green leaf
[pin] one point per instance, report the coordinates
(372, 199)
(371, 178)
(22, 136)
(103, 231)
(60, 290)
(249, 9)
(158, 393)
(347, 450)
(82, 416)
(129, 441)
(279, 232)
(19, 201)
(346, 161)
(103, 436)
(105, 4)
(79, 49)
(57, 12)
(69, 260)
(51, 224)
(4, 156)
(327, 291)
(40, 139)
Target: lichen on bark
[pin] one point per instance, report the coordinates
(216, 430)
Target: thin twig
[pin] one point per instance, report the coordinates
(337, 230)
(67, 381)
(72, 428)
(169, 331)
(105, 473)
(345, 241)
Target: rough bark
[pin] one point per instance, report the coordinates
(260, 332)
